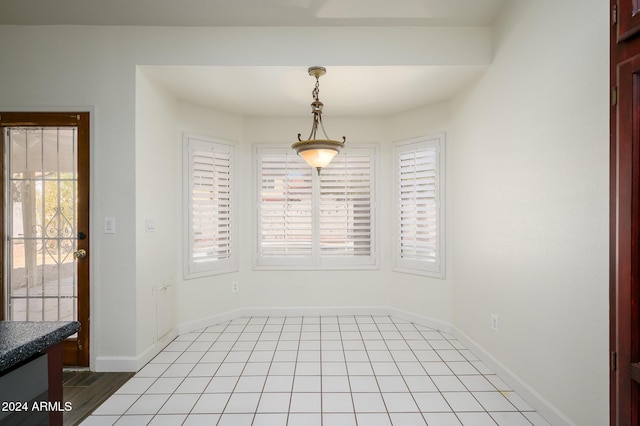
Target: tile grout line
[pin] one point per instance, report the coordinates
(398, 368)
(295, 369)
(320, 340)
(344, 355)
(245, 365)
(366, 350)
(270, 366)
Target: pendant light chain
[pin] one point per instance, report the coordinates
(316, 91)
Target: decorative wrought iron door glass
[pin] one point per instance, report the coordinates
(41, 223)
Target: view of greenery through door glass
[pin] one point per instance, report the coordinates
(41, 210)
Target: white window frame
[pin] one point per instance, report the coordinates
(431, 266)
(191, 268)
(314, 260)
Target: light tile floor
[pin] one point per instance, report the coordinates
(312, 371)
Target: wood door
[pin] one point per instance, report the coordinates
(625, 212)
(45, 223)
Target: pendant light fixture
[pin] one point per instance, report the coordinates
(318, 153)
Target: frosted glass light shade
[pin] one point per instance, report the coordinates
(318, 153)
(318, 158)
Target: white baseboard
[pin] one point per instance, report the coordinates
(280, 312)
(144, 358)
(106, 364)
(420, 319)
(133, 364)
(533, 398)
(196, 325)
(541, 405)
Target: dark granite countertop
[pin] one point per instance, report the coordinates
(20, 340)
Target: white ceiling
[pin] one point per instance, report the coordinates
(250, 12)
(344, 90)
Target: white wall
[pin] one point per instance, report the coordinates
(157, 200)
(428, 297)
(530, 204)
(202, 298)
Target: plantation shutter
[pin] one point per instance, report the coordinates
(419, 206)
(312, 221)
(346, 206)
(210, 246)
(285, 212)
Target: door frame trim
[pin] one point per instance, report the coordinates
(84, 115)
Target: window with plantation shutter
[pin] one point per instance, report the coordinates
(210, 235)
(285, 209)
(345, 210)
(311, 221)
(419, 176)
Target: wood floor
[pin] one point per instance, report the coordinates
(86, 390)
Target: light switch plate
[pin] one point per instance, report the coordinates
(109, 225)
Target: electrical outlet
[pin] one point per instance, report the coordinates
(150, 225)
(494, 323)
(234, 287)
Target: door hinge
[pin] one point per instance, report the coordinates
(614, 14)
(614, 361)
(614, 96)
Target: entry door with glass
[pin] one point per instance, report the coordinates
(45, 223)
